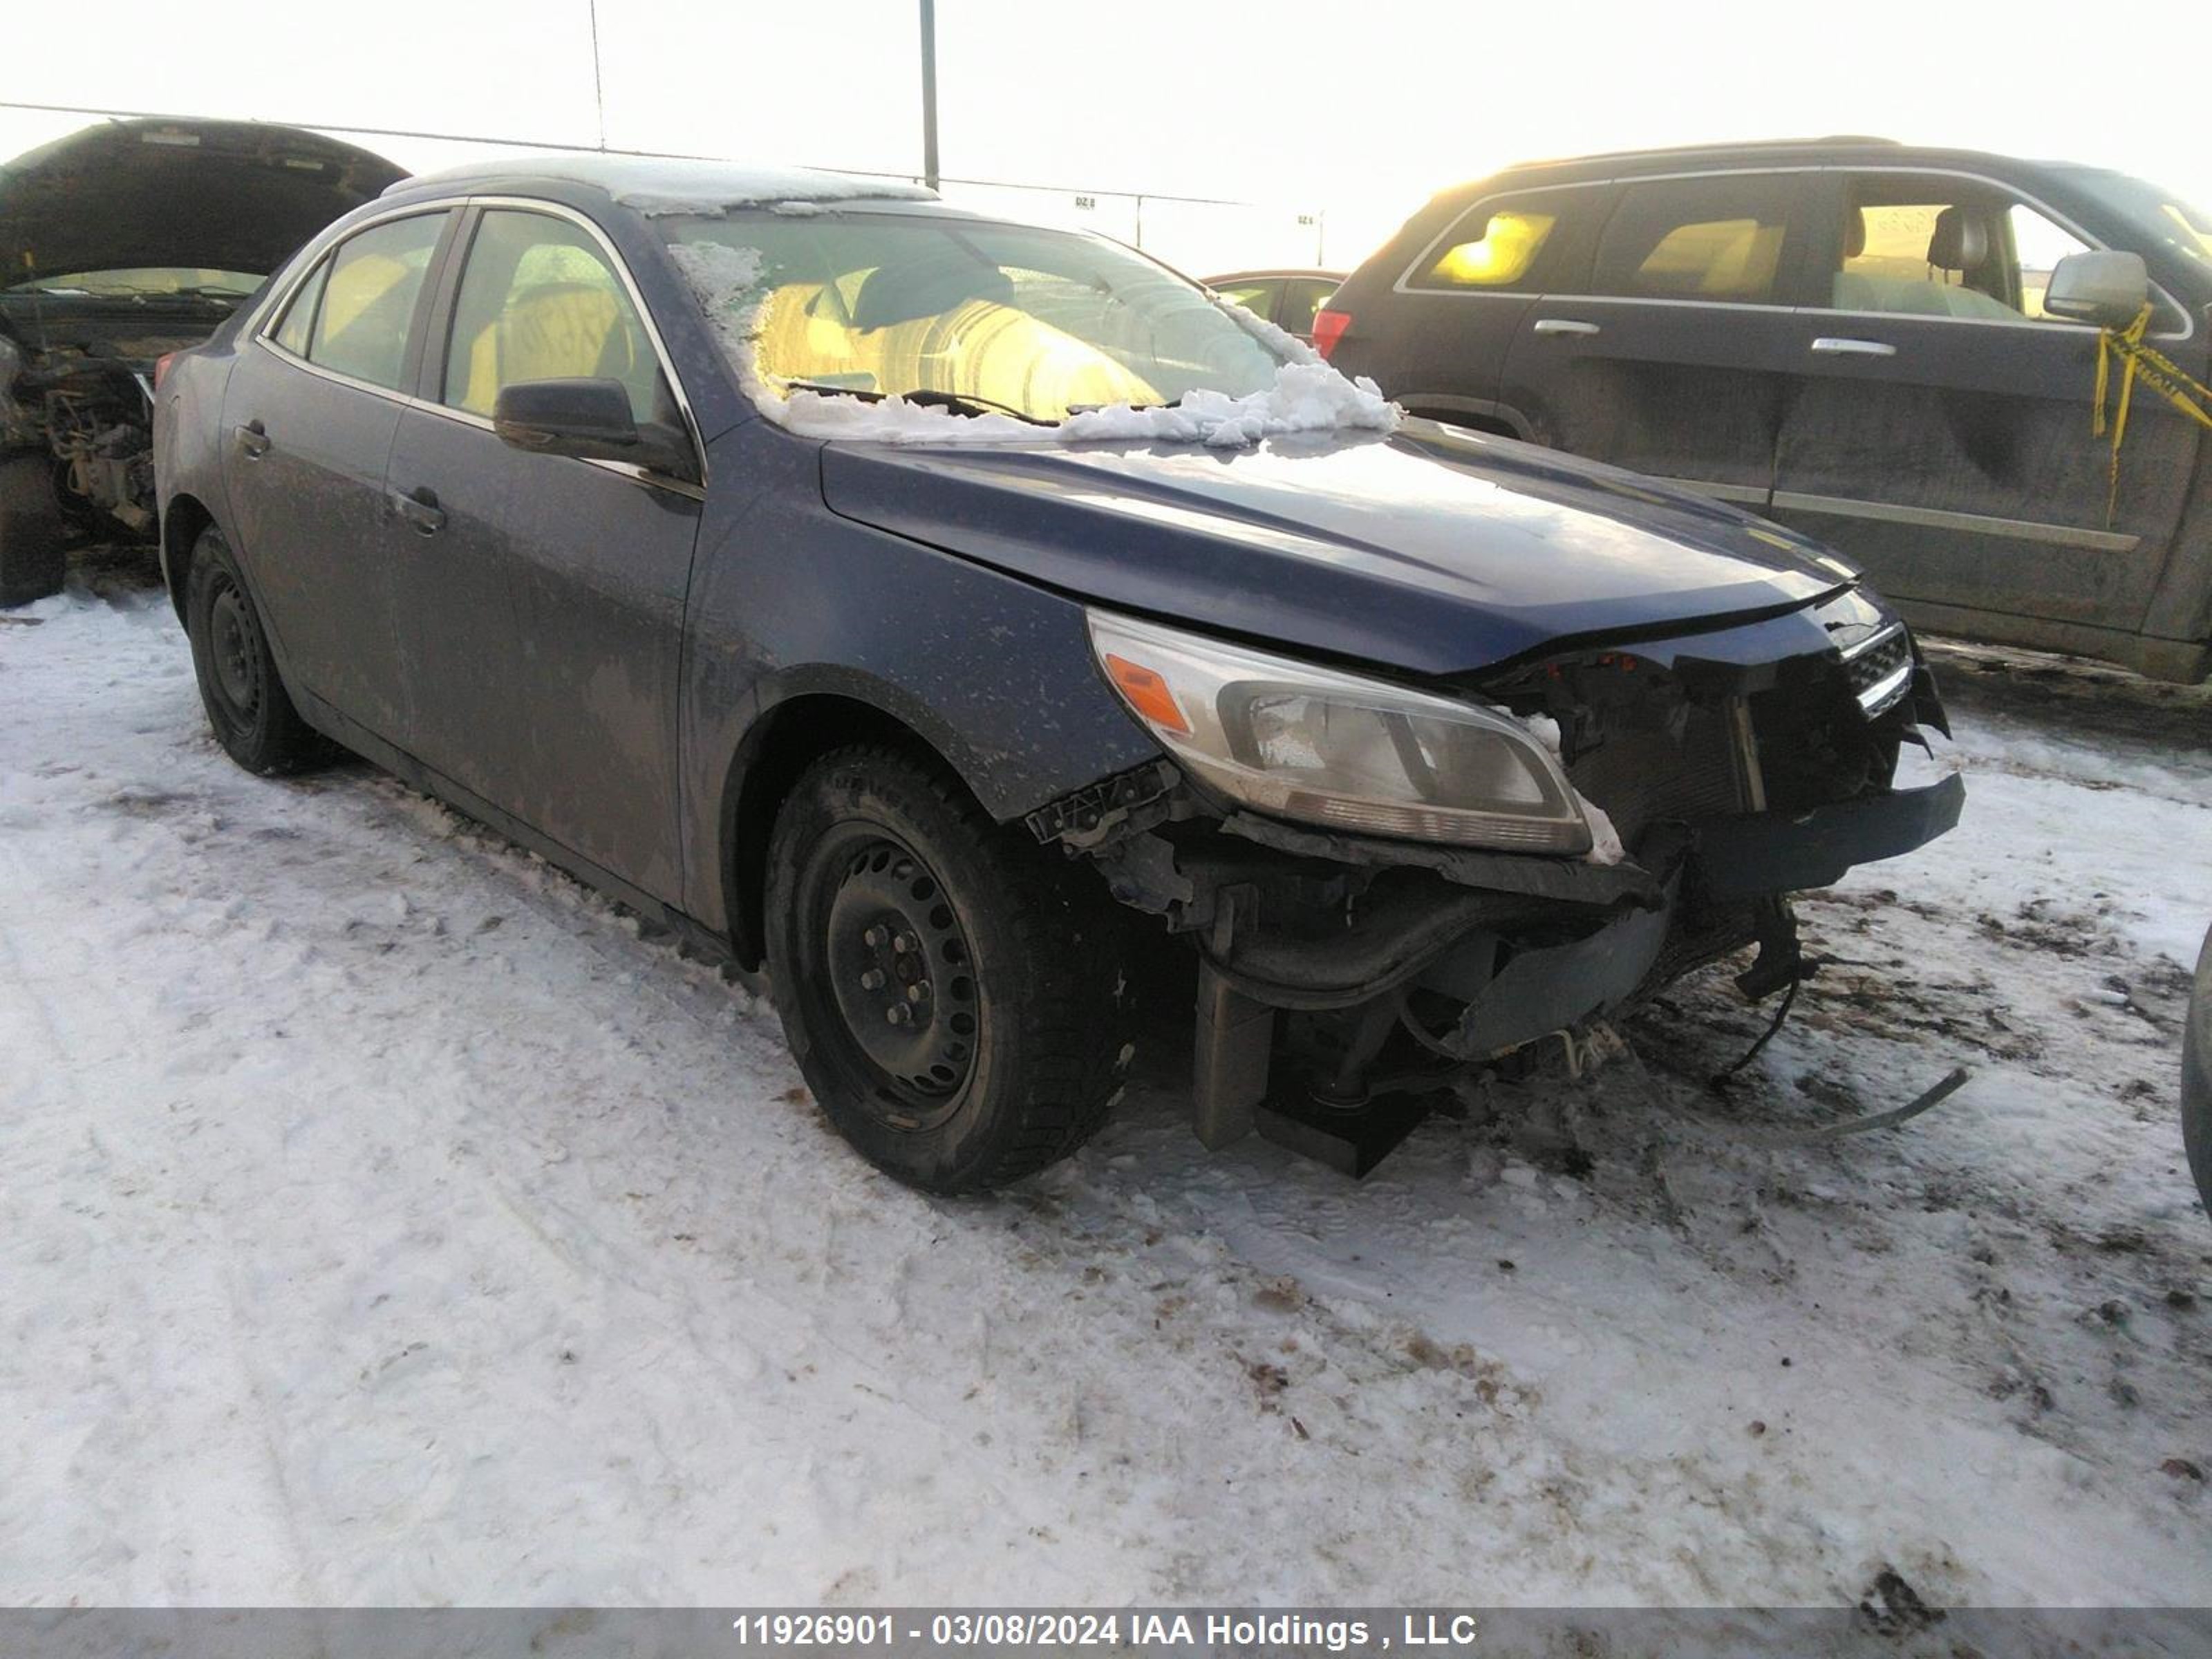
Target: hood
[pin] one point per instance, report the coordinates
(212, 195)
(1425, 551)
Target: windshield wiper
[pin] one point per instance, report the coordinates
(866, 394)
(964, 402)
(972, 404)
(1092, 408)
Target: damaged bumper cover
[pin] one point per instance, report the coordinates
(1314, 920)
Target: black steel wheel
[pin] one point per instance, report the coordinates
(952, 993)
(900, 971)
(251, 712)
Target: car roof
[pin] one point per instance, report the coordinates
(1841, 149)
(671, 184)
(1261, 272)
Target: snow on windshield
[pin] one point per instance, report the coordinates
(1306, 394)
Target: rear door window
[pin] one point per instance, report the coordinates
(300, 316)
(539, 300)
(1715, 238)
(368, 299)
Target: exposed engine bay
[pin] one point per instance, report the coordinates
(76, 381)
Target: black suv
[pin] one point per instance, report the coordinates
(1894, 349)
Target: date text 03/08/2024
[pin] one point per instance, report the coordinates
(1166, 1632)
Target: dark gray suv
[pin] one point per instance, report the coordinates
(1894, 349)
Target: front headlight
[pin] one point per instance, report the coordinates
(1310, 743)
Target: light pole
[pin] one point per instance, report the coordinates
(929, 92)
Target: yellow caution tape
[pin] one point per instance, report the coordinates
(2157, 371)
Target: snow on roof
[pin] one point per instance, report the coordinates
(657, 184)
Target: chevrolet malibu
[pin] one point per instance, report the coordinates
(945, 619)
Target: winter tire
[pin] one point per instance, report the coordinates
(32, 555)
(953, 993)
(2197, 1078)
(253, 714)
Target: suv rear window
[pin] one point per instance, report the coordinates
(1489, 247)
(1715, 238)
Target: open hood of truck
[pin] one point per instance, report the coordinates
(1428, 551)
(214, 195)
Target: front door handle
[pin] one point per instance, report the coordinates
(420, 509)
(1562, 326)
(1829, 346)
(253, 440)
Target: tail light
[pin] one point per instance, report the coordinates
(1328, 329)
(161, 367)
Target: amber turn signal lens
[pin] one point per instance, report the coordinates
(1147, 693)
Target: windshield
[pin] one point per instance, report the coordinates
(2161, 213)
(1038, 325)
(147, 279)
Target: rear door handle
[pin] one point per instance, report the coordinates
(252, 441)
(1562, 326)
(1828, 346)
(420, 509)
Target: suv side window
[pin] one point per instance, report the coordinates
(1715, 238)
(539, 301)
(1922, 245)
(368, 299)
(1518, 243)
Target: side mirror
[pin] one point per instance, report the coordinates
(591, 420)
(2106, 288)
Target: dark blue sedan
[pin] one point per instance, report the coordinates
(956, 623)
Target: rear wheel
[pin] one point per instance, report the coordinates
(952, 992)
(252, 715)
(32, 555)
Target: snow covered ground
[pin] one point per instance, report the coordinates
(386, 1219)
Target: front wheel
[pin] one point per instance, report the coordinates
(953, 994)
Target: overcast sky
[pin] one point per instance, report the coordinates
(1351, 112)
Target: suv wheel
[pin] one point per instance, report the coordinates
(954, 996)
(253, 714)
(32, 559)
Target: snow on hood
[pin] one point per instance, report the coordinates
(1308, 395)
(668, 184)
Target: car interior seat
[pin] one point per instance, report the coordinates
(1959, 242)
(558, 330)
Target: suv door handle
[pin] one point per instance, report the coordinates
(1562, 326)
(1829, 346)
(253, 440)
(420, 509)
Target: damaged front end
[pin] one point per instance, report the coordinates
(1660, 803)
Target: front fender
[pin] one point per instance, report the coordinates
(790, 601)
